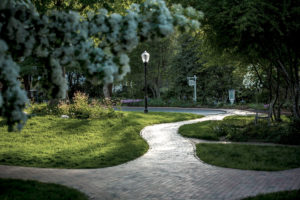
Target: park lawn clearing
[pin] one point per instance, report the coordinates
(242, 129)
(27, 190)
(285, 195)
(203, 130)
(54, 142)
(250, 157)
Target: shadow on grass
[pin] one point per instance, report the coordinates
(71, 143)
(86, 157)
(69, 125)
(91, 157)
(28, 190)
(3, 122)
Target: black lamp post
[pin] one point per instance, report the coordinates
(145, 58)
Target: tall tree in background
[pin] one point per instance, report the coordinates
(186, 63)
(259, 30)
(216, 74)
(159, 67)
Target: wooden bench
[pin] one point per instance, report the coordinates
(267, 115)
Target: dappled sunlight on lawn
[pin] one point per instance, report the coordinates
(49, 141)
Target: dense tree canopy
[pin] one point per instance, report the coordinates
(259, 31)
(64, 39)
(83, 6)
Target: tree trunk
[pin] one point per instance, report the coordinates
(107, 90)
(27, 84)
(157, 92)
(295, 96)
(276, 110)
(153, 92)
(292, 79)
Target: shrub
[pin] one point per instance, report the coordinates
(157, 102)
(43, 109)
(103, 109)
(292, 133)
(80, 108)
(39, 109)
(238, 128)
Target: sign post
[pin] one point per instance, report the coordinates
(192, 81)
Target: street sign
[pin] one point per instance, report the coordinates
(191, 82)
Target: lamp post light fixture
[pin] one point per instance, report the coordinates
(145, 58)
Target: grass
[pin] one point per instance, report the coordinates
(285, 195)
(49, 141)
(242, 129)
(29, 190)
(250, 157)
(203, 130)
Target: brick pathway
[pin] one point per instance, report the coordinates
(169, 170)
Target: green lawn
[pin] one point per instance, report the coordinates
(286, 195)
(32, 190)
(250, 157)
(203, 130)
(242, 128)
(49, 141)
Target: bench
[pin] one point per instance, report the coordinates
(266, 114)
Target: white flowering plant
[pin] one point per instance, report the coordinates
(66, 39)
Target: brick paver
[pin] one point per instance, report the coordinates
(169, 170)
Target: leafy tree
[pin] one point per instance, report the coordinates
(60, 39)
(83, 6)
(186, 63)
(215, 74)
(159, 67)
(259, 31)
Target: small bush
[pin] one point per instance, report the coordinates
(157, 102)
(292, 133)
(243, 129)
(43, 109)
(80, 108)
(103, 109)
(39, 109)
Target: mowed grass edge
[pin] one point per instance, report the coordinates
(284, 195)
(201, 130)
(249, 157)
(53, 142)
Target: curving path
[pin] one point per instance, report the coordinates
(169, 170)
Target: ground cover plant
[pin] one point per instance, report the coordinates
(285, 195)
(51, 141)
(80, 107)
(242, 128)
(27, 190)
(250, 157)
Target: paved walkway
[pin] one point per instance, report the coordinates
(169, 170)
